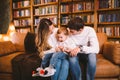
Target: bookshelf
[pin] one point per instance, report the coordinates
(22, 15)
(108, 14)
(102, 15)
(81, 8)
(45, 9)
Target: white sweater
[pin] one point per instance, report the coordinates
(87, 35)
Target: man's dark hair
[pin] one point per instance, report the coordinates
(76, 23)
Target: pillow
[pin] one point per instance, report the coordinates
(29, 43)
(111, 52)
(6, 47)
(18, 40)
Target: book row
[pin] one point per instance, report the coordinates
(21, 4)
(110, 31)
(44, 1)
(53, 19)
(46, 10)
(77, 7)
(113, 17)
(23, 30)
(22, 22)
(109, 4)
(86, 18)
(21, 13)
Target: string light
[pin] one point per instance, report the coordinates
(10, 32)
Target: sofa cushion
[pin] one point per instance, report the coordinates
(105, 68)
(6, 47)
(18, 40)
(102, 38)
(111, 52)
(5, 62)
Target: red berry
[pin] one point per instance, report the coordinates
(33, 72)
(42, 71)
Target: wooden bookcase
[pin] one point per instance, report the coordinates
(45, 9)
(102, 15)
(108, 15)
(81, 8)
(22, 15)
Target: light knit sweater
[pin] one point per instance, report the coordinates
(88, 39)
(68, 43)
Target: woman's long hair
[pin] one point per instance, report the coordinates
(42, 35)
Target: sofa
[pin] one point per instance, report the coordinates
(8, 50)
(17, 61)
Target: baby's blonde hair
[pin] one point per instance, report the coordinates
(62, 30)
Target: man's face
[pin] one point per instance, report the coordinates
(74, 32)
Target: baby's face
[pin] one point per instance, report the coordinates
(61, 37)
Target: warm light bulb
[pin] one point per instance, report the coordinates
(6, 38)
(12, 33)
(12, 28)
(0, 36)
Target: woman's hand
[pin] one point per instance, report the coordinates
(74, 51)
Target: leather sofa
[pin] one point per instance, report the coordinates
(108, 59)
(8, 50)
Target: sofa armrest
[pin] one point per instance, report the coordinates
(111, 51)
(6, 47)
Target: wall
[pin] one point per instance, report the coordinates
(4, 16)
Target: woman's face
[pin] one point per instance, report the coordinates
(51, 27)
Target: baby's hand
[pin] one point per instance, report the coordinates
(57, 49)
(67, 50)
(60, 47)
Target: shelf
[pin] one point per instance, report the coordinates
(66, 2)
(108, 9)
(65, 13)
(86, 24)
(42, 15)
(28, 7)
(83, 11)
(18, 27)
(109, 23)
(83, 1)
(46, 4)
(22, 17)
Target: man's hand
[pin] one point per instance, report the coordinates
(75, 51)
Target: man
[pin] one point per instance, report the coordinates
(87, 47)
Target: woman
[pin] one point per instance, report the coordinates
(44, 40)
